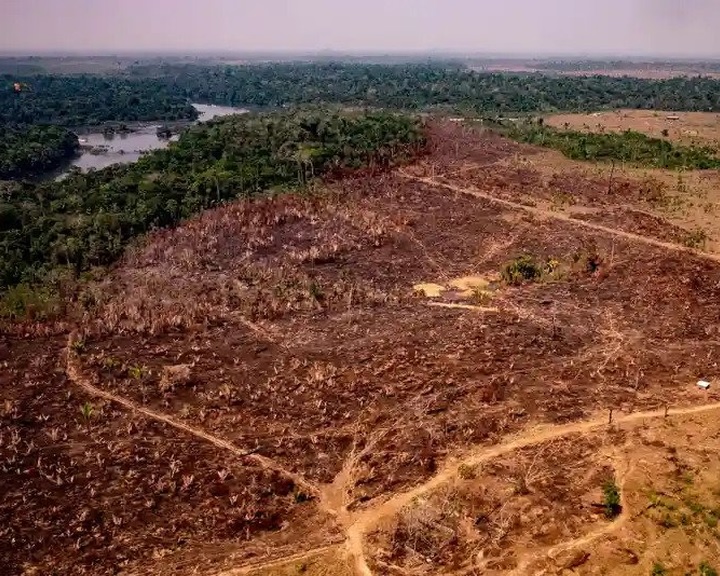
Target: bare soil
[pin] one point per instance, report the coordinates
(489, 517)
(263, 390)
(89, 488)
(690, 128)
(670, 506)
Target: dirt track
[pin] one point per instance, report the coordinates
(368, 519)
(358, 524)
(75, 374)
(361, 523)
(425, 354)
(563, 217)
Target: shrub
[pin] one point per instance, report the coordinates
(301, 497)
(466, 472)
(87, 410)
(24, 302)
(110, 363)
(696, 239)
(611, 499)
(137, 372)
(522, 269)
(316, 292)
(78, 345)
(587, 261)
(526, 269)
(593, 263)
(481, 296)
(707, 570)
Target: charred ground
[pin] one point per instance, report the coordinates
(291, 327)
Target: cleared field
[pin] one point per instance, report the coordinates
(644, 72)
(677, 205)
(269, 389)
(690, 128)
(648, 70)
(540, 508)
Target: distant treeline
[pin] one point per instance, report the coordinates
(35, 109)
(85, 220)
(163, 91)
(424, 86)
(629, 146)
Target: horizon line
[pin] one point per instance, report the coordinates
(324, 53)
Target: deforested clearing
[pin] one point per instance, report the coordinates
(264, 390)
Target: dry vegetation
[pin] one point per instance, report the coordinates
(266, 381)
(90, 488)
(648, 70)
(689, 128)
(489, 517)
(673, 205)
(669, 522)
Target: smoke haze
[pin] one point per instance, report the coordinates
(540, 27)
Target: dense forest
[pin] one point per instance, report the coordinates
(163, 91)
(87, 100)
(422, 86)
(34, 109)
(85, 220)
(34, 149)
(629, 146)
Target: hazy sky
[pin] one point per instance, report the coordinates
(662, 27)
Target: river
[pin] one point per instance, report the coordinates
(127, 148)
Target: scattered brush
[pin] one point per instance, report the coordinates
(611, 499)
(526, 269)
(696, 239)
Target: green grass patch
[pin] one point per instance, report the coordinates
(26, 302)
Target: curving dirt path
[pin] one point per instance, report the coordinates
(559, 216)
(309, 554)
(367, 520)
(622, 472)
(358, 524)
(551, 552)
(79, 378)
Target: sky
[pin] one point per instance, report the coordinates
(523, 27)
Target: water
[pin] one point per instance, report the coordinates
(208, 111)
(127, 148)
(118, 148)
